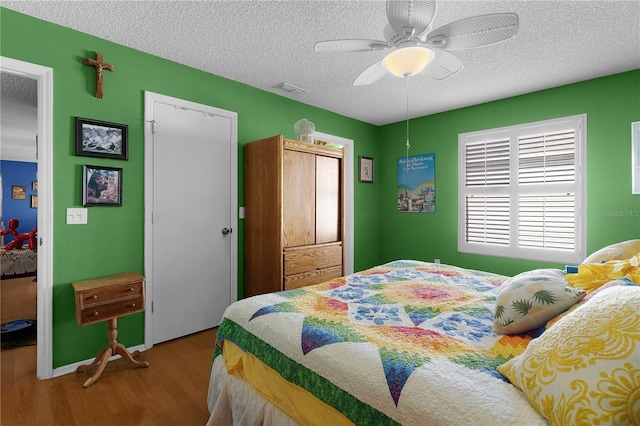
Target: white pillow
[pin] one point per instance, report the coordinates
(530, 299)
(618, 251)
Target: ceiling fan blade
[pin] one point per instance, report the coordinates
(351, 45)
(410, 17)
(443, 66)
(372, 74)
(476, 31)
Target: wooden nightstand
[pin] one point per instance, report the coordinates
(106, 299)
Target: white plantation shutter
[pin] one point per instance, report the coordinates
(487, 220)
(547, 221)
(521, 191)
(487, 163)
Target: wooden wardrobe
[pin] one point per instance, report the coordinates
(294, 214)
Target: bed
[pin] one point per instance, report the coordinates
(406, 342)
(15, 263)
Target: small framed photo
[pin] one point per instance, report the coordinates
(635, 157)
(18, 192)
(34, 201)
(101, 186)
(365, 169)
(102, 139)
(34, 186)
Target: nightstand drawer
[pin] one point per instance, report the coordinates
(109, 297)
(107, 294)
(114, 309)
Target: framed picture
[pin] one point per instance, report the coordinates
(34, 201)
(635, 157)
(365, 169)
(101, 139)
(34, 186)
(101, 186)
(18, 192)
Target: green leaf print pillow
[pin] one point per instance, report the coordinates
(530, 299)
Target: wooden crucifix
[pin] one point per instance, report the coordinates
(99, 67)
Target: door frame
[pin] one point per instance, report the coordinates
(149, 99)
(44, 327)
(348, 195)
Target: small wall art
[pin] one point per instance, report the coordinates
(101, 139)
(18, 192)
(365, 169)
(101, 186)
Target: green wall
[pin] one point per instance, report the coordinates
(113, 240)
(613, 213)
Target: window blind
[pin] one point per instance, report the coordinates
(521, 191)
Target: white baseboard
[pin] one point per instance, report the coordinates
(71, 368)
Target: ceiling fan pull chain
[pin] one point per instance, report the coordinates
(407, 145)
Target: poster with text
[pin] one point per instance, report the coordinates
(417, 183)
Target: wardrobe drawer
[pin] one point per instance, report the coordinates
(301, 260)
(314, 277)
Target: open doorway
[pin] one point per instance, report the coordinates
(18, 212)
(21, 79)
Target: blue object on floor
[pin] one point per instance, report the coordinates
(18, 329)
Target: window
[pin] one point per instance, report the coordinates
(521, 191)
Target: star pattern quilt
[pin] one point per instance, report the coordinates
(406, 342)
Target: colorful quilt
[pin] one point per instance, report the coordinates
(407, 342)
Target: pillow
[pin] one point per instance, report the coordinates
(618, 251)
(590, 276)
(530, 299)
(621, 281)
(586, 368)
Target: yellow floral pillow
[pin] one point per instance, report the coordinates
(585, 370)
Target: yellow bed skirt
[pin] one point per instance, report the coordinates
(297, 403)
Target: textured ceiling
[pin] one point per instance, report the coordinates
(263, 43)
(18, 117)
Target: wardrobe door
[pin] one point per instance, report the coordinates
(298, 198)
(327, 199)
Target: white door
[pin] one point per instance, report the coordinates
(193, 272)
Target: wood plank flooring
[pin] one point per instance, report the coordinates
(18, 299)
(172, 391)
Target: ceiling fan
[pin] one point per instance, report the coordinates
(418, 49)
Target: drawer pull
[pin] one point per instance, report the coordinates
(133, 305)
(96, 313)
(132, 289)
(95, 296)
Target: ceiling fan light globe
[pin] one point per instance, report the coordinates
(408, 61)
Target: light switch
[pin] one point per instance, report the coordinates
(76, 216)
(241, 212)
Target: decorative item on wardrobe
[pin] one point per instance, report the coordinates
(304, 130)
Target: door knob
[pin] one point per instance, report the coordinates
(226, 231)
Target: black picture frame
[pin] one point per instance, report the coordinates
(102, 139)
(365, 169)
(106, 191)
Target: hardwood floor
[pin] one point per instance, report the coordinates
(18, 299)
(172, 391)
